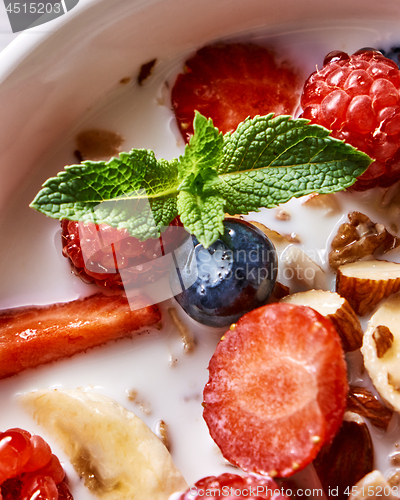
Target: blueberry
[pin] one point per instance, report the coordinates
(393, 53)
(233, 276)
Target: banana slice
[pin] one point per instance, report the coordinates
(381, 350)
(111, 448)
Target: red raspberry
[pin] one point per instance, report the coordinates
(357, 97)
(29, 470)
(234, 487)
(99, 252)
(15, 451)
(40, 487)
(40, 454)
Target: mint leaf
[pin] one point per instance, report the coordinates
(268, 160)
(264, 163)
(204, 149)
(135, 191)
(203, 216)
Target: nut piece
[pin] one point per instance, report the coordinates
(372, 487)
(145, 71)
(383, 338)
(359, 239)
(304, 270)
(366, 404)
(337, 309)
(389, 204)
(292, 238)
(274, 236)
(282, 214)
(161, 431)
(393, 479)
(344, 462)
(187, 336)
(278, 292)
(365, 283)
(384, 370)
(326, 202)
(98, 144)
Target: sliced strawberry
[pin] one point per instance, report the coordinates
(277, 389)
(234, 487)
(32, 336)
(229, 82)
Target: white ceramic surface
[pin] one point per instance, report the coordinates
(66, 79)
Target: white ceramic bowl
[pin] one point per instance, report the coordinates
(53, 84)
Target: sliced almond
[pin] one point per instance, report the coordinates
(372, 487)
(274, 236)
(301, 268)
(278, 292)
(337, 309)
(384, 369)
(365, 283)
(361, 401)
(328, 203)
(383, 339)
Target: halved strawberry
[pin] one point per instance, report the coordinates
(32, 336)
(229, 82)
(277, 389)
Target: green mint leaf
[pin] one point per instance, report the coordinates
(135, 191)
(268, 160)
(204, 150)
(264, 163)
(203, 216)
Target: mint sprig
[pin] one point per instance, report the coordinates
(264, 163)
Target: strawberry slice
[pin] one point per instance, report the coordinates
(277, 389)
(32, 336)
(229, 82)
